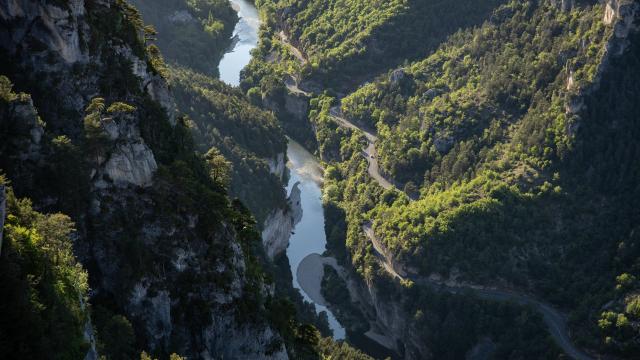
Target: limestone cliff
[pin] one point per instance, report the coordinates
(163, 245)
(281, 223)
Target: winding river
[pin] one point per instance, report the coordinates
(245, 39)
(309, 240)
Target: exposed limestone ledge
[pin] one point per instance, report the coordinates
(131, 163)
(280, 224)
(60, 25)
(277, 166)
(622, 16)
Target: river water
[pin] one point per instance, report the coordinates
(309, 237)
(245, 39)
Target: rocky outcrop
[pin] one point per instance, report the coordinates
(181, 17)
(177, 272)
(241, 343)
(58, 27)
(297, 106)
(622, 15)
(277, 166)
(564, 5)
(280, 224)
(131, 163)
(89, 334)
(390, 325)
(396, 77)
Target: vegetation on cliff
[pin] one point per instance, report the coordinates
(515, 136)
(195, 33)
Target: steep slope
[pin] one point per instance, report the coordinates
(346, 42)
(251, 139)
(502, 134)
(44, 311)
(495, 131)
(222, 119)
(192, 33)
(168, 254)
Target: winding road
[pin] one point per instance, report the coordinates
(554, 319)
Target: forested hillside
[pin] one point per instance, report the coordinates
(527, 176)
(145, 172)
(508, 140)
(221, 118)
(195, 33)
(346, 40)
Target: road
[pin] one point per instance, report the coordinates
(369, 153)
(294, 50)
(554, 319)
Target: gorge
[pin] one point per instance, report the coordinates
(319, 179)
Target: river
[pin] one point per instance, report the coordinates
(245, 39)
(309, 236)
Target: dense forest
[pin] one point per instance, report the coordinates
(508, 137)
(195, 33)
(480, 186)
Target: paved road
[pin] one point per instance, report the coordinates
(555, 320)
(294, 50)
(369, 153)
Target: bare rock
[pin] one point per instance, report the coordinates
(396, 77)
(280, 223)
(131, 163)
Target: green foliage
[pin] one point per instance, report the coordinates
(221, 116)
(512, 186)
(96, 138)
(334, 350)
(157, 61)
(347, 40)
(6, 93)
(120, 107)
(219, 168)
(191, 33)
(43, 307)
(116, 339)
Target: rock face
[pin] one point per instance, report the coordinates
(564, 5)
(390, 325)
(622, 15)
(277, 166)
(176, 277)
(396, 77)
(280, 224)
(131, 163)
(59, 27)
(297, 106)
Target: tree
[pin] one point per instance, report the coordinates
(95, 137)
(219, 167)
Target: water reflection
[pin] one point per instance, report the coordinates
(309, 237)
(245, 39)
